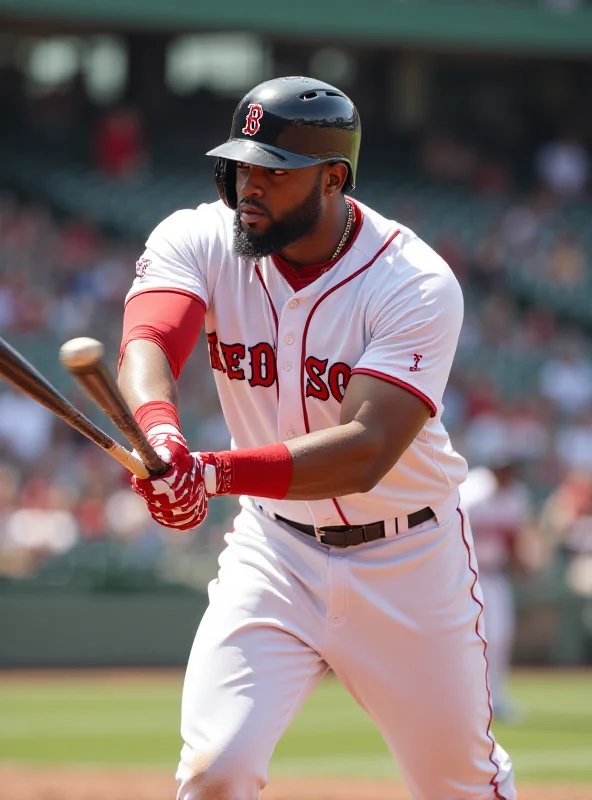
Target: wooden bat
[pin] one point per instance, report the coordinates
(15, 369)
(83, 358)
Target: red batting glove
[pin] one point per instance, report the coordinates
(177, 498)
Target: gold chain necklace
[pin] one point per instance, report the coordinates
(346, 232)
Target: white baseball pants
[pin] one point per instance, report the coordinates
(398, 620)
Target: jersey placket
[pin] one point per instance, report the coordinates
(292, 388)
(289, 347)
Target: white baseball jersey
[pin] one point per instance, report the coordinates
(390, 307)
(399, 620)
(498, 514)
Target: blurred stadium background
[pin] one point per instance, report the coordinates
(477, 133)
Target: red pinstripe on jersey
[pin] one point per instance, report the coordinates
(300, 277)
(277, 325)
(389, 378)
(305, 333)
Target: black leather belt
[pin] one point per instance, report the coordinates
(350, 535)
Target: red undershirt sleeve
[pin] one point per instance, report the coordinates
(169, 318)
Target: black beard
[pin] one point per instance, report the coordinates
(281, 233)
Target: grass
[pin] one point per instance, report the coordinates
(98, 720)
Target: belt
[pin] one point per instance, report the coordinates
(350, 535)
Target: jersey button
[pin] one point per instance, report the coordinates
(289, 339)
(293, 303)
(287, 366)
(290, 434)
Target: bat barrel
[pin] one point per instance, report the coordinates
(83, 358)
(15, 369)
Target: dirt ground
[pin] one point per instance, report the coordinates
(19, 784)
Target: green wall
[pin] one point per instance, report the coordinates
(52, 627)
(67, 629)
(505, 25)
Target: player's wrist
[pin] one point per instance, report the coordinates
(157, 417)
(210, 474)
(259, 471)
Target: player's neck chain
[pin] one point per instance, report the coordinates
(346, 232)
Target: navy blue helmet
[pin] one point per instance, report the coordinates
(289, 123)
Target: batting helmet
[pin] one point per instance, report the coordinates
(289, 123)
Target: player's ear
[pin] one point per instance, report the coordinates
(335, 177)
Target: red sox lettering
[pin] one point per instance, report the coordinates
(260, 369)
(263, 365)
(233, 355)
(338, 377)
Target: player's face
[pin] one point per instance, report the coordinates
(275, 208)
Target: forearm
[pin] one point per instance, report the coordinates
(145, 375)
(334, 462)
(348, 458)
(355, 455)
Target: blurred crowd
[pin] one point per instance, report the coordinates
(522, 378)
(561, 170)
(61, 278)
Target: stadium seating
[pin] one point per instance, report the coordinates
(134, 206)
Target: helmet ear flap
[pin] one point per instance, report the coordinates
(349, 181)
(225, 179)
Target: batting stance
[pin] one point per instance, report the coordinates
(331, 333)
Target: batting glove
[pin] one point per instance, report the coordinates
(177, 498)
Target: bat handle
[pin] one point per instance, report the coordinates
(130, 461)
(83, 358)
(147, 453)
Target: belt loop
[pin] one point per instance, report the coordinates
(402, 524)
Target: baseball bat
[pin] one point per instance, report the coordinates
(15, 369)
(83, 358)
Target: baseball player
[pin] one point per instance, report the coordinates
(502, 520)
(331, 332)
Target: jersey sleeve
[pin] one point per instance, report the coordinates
(414, 332)
(181, 253)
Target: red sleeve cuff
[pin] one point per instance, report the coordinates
(157, 412)
(375, 374)
(258, 471)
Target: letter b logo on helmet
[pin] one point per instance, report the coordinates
(306, 122)
(253, 122)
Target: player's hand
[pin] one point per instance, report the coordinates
(177, 498)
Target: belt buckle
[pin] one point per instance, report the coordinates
(319, 535)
